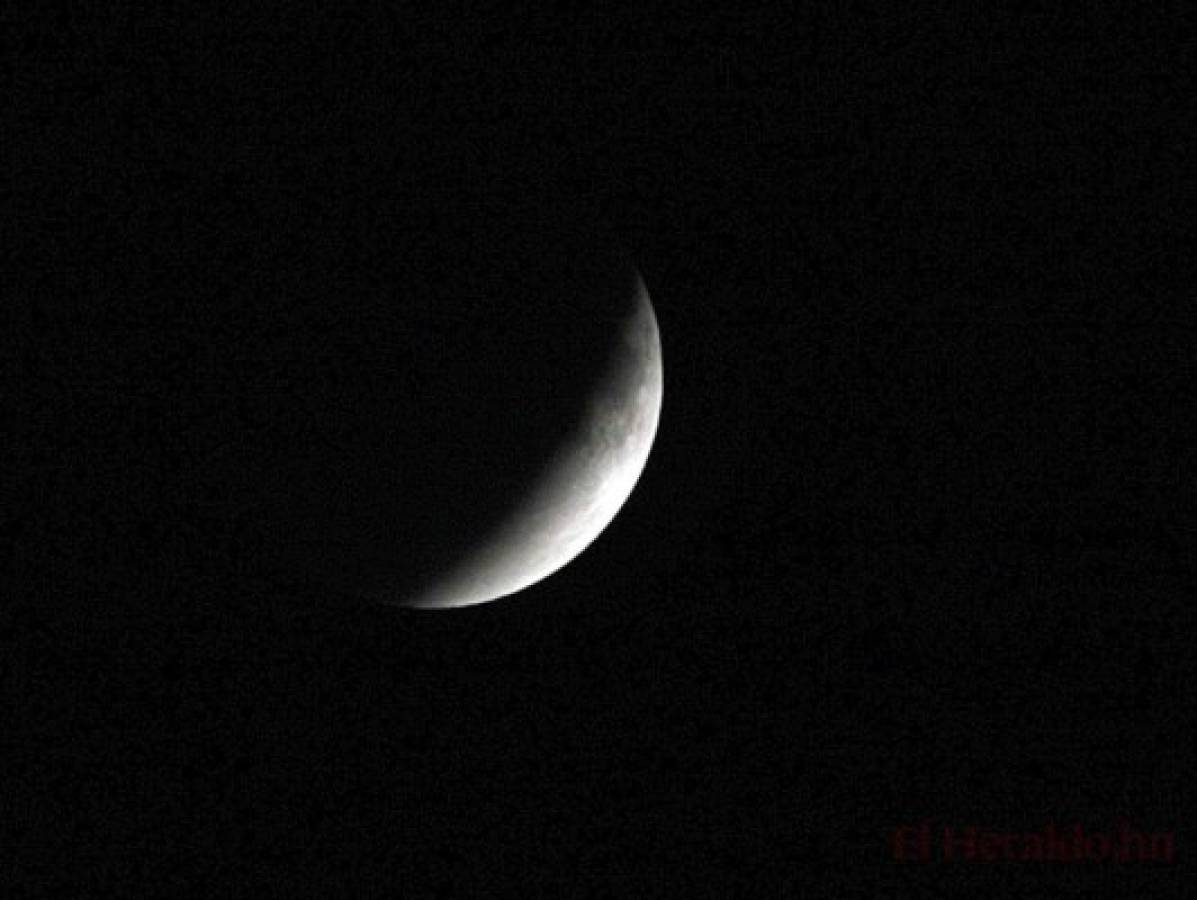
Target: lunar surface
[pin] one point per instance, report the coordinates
(584, 485)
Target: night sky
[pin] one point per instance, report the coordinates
(914, 541)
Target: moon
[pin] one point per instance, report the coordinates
(585, 483)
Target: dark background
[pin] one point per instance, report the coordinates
(914, 540)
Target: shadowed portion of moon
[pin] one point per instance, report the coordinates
(474, 368)
(585, 482)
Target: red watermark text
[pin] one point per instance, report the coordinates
(925, 841)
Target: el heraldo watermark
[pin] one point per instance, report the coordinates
(1121, 844)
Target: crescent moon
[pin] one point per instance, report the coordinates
(584, 485)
